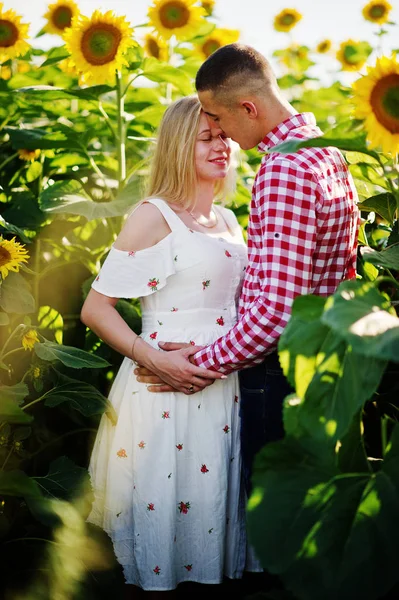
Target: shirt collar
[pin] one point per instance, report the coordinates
(282, 131)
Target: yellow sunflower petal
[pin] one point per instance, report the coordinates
(28, 155)
(29, 339)
(176, 17)
(12, 255)
(286, 19)
(208, 6)
(59, 16)
(376, 99)
(217, 39)
(155, 46)
(377, 11)
(13, 34)
(97, 45)
(324, 46)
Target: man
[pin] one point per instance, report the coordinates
(302, 239)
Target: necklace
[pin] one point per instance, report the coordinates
(203, 224)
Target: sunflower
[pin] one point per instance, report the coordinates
(12, 34)
(97, 45)
(352, 55)
(155, 46)
(176, 17)
(286, 19)
(324, 46)
(377, 11)
(217, 39)
(208, 6)
(12, 255)
(5, 72)
(29, 339)
(28, 155)
(59, 16)
(376, 97)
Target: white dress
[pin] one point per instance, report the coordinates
(167, 476)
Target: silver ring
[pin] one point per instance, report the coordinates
(190, 388)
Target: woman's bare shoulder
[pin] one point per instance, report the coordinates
(145, 227)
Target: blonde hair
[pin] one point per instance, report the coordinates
(173, 174)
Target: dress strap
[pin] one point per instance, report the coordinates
(169, 214)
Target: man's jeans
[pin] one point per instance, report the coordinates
(263, 389)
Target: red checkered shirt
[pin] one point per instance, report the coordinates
(302, 239)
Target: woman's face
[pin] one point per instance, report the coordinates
(212, 151)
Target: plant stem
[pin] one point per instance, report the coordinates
(384, 435)
(11, 352)
(6, 459)
(8, 340)
(37, 400)
(121, 138)
(7, 160)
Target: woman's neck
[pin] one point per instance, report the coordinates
(203, 200)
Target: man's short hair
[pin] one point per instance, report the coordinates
(233, 65)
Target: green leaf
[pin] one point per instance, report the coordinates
(387, 258)
(66, 197)
(69, 356)
(158, 71)
(10, 412)
(352, 144)
(13, 229)
(4, 319)
(33, 139)
(55, 55)
(363, 317)
(383, 204)
(81, 396)
(17, 483)
(48, 93)
(352, 456)
(63, 480)
(15, 296)
(15, 393)
(34, 171)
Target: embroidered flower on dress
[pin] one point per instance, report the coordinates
(210, 530)
(157, 570)
(205, 284)
(179, 446)
(97, 278)
(165, 414)
(132, 253)
(150, 506)
(226, 429)
(227, 253)
(141, 445)
(174, 309)
(188, 567)
(235, 398)
(122, 453)
(153, 284)
(153, 335)
(220, 321)
(192, 342)
(204, 469)
(184, 507)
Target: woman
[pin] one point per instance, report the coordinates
(167, 476)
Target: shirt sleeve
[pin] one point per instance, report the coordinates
(282, 229)
(136, 274)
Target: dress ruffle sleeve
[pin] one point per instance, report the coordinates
(137, 274)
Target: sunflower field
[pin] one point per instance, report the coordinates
(77, 128)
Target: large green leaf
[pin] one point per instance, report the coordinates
(67, 197)
(383, 204)
(10, 412)
(352, 144)
(17, 483)
(388, 258)
(327, 534)
(364, 319)
(15, 296)
(69, 356)
(13, 229)
(55, 55)
(63, 480)
(17, 393)
(33, 139)
(48, 93)
(81, 396)
(158, 71)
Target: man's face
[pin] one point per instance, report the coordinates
(233, 123)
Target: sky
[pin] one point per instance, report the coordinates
(337, 20)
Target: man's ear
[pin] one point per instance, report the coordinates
(250, 108)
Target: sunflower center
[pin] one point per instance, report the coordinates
(153, 48)
(174, 14)
(210, 46)
(100, 43)
(62, 17)
(323, 47)
(5, 256)
(288, 19)
(384, 100)
(377, 11)
(351, 55)
(8, 34)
